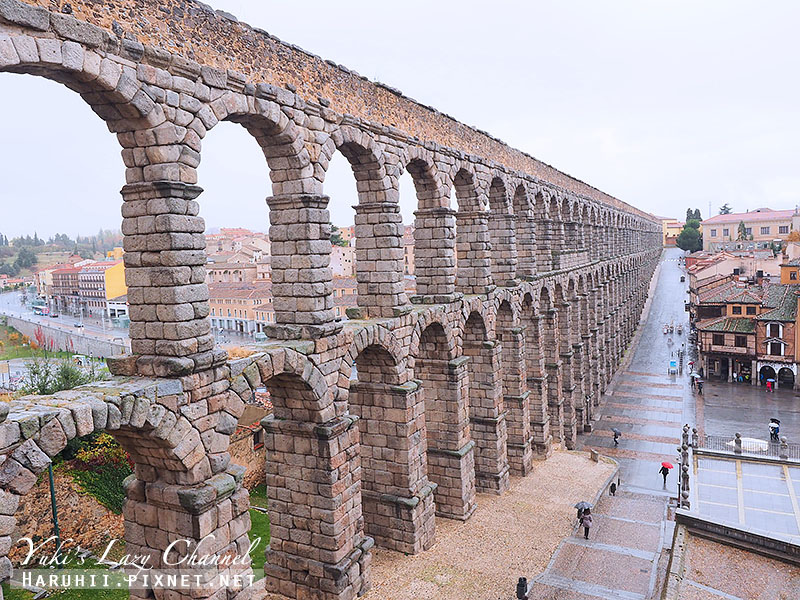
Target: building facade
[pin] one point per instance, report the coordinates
(762, 227)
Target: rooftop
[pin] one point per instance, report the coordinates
(728, 325)
(760, 214)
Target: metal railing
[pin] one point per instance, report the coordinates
(749, 446)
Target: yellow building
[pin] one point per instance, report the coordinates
(100, 282)
(671, 228)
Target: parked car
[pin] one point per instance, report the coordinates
(78, 325)
(53, 315)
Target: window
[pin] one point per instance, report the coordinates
(726, 232)
(737, 310)
(783, 229)
(748, 231)
(740, 341)
(773, 330)
(718, 339)
(751, 310)
(713, 233)
(765, 231)
(776, 349)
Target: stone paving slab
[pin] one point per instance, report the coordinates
(541, 591)
(603, 567)
(673, 441)
(627, 381)
(633, 534)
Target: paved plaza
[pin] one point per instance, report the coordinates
(748, 493)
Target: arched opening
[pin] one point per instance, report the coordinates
(552, 363)
(397, 496)
(433, 232)
(502, 235)
(314, 486)
(237, 268)
(525, 233)
(486, 407)
(371, 250)
(515, 393)
(786, 378)
(545, 231)
(536, 378)
(473, 263)
(451, 460)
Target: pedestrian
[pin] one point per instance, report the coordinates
(773, 433)
(700, 387)
(769, 386)
(664, 472)
(616, 439)
(586, 522)
(613, 489)
(692, 380)
(734, 378)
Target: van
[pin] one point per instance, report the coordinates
(260, 337)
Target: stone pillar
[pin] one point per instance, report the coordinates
(379, 260)
(301, 275)
(474, 264)
(520, 455)
(317, 546)
(488, 425)
(553, 370)
(566, 354)
(504, 248)
(544, 247)
(557, 243)
(434, 255)
(537, 389)
(451, 459)
(165, 273)
(526, 246)
(211, 517)
(396, 494)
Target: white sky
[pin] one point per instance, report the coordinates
(665, 105)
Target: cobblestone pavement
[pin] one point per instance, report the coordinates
(521, 529)
(649, 407)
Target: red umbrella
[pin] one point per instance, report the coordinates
(668, 465)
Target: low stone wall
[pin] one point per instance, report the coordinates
(776, 545)
(71, 341)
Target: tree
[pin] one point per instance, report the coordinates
(693, 215)
(794, 236)
(689, 237)
(725, 209)
(25, 259)
(336, 236)
(742, 233)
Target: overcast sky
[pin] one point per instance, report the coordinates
(663, 104)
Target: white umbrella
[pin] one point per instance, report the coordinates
(751, 444)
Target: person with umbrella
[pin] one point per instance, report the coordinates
(586, 522)
(617, 433)
(774, 430)
(664, 470)
(582, 506)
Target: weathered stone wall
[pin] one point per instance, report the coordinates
(70, 341)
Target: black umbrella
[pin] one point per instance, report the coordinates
(583, 505)
(616, 431)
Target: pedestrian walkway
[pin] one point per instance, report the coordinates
(620, 560)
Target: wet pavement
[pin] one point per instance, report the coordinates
(621, 557)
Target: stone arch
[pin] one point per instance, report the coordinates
(397, 497)
(451, 459)
(486, 407)
(502, 234)
(434, 228)
(175, 488)
(424, 320)
(281, 141)
(378, 223)
(525, 232)
(473, 261)
(373, 335)
(536, 375)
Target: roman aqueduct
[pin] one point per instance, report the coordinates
(529, 290)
